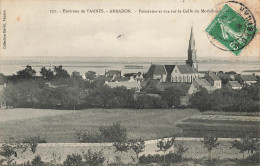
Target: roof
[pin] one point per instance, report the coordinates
(169, 68)
(156, 70)
(224, 76)
(186, 69)
(234, 84)
(248, 77)
(214, 77)
(127, 84)
(202, 82)
(205, 84)
(210, 88)
(112, 72)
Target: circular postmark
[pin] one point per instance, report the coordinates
(232, 28)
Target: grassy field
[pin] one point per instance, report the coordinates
(59, 125)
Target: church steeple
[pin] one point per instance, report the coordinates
(192, 56)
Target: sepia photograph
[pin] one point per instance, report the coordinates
(129, 83)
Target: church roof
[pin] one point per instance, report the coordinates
(169, 68)
(186, 69)
(156, 70)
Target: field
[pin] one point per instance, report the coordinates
(58, 126)
(221, 124)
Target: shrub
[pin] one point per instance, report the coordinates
(169, 158)
(150, 159)
(172, 158)
(73, 160)
(94, 159)
(85, 136)
(7, 151)
(114, 133)
(37, 161)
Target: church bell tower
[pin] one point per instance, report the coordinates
(192, 56)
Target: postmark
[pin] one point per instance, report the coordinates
(233, 28)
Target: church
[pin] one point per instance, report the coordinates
(177, 73)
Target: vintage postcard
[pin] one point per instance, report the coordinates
(128, 82)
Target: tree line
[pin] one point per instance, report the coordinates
(56, 89)
(228, 100)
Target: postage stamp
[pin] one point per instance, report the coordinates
(232, 29)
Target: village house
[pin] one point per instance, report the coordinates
(246, 79)
(201, 83)
(114, 74)
(129, 84)
(233, 85)
(214, 80)
(251, 72)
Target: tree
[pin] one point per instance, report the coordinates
(121, 146)
(47, 73)
(22, 93)
(137, 146)
(33, 142)
(200, 100)
(26, 73)
(76, 74)
(210, 142)
(172, 96)
(90, 75)
(246, 143)
(181, 149)
(164, 145)
(20, 147)
(60, 72)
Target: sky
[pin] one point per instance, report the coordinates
(33, 31)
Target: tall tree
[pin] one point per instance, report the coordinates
(76, 74)
(181, 149)
(210, 142)
(90, 75)
(60, 72)
(200, 100)
(164, 145)
(172, 96)
(47, 73)
(137, 146)
(26, 73)
(247, 143)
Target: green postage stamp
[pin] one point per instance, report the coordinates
(232, 29)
